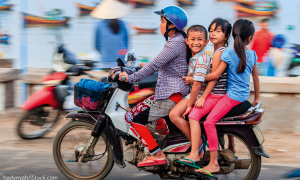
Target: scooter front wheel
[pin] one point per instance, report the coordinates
(68, 146)
(37, 122)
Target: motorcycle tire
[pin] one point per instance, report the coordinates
(24, 119)
(255, 160)
(60, 162)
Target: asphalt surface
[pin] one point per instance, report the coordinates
(40, 163)
(34, 158)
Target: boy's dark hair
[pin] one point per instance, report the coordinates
(225, 26)
(264, 20)
(197, 28)
(242, 29)
(194, 28)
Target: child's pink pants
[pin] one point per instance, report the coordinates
(218, 106)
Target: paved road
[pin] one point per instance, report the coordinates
(34, 157)
(34, 162)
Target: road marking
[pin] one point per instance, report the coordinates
(280, 164)
(10, 168)
(23, 155)
(141, 174)
(268, 94)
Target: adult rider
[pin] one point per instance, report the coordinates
(171, 64)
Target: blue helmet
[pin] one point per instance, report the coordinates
(175, 15)
(279, 41)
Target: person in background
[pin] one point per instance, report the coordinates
(279, 55)
(261, 43)
(111, 39)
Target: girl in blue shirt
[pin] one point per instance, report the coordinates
(241, 62)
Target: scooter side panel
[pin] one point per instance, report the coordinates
(117, 114)
(44, 96)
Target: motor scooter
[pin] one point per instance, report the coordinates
(91, 143)
(294, 67)
(45, 105)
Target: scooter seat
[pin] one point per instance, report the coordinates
(236, 111)
(239, 109)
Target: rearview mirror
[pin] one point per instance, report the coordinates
(120, 62)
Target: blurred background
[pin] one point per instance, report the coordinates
(78, 32)
(32, 32)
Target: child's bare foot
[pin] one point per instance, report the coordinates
(212, 168)
(159, 155)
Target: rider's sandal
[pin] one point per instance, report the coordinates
(206, 176)
(152, 162)
(236, 158)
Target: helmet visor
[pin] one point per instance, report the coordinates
(161, 13)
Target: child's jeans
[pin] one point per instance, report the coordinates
(210, 102)
(221, 109)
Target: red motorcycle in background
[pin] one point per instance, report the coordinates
(44, 106)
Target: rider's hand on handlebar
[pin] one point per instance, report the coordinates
(123, 74)
(200, 102)
(255, 102)
(143, 64)
(188, 79)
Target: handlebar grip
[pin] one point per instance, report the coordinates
(123, 78)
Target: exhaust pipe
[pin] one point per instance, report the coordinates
(243, 163)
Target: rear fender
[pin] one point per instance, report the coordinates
(44, 96)
(247, 134)
(112, 135)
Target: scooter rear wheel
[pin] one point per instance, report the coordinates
(243, 152)
(37, 122)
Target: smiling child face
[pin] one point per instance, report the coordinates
(196, 41)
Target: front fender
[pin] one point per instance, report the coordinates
(247, 134)
(44, 96)
(112, 135)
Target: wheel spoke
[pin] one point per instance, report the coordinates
(75, 140)
(243, 151)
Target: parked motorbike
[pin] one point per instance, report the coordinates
(45, 106)
(57, 96)
(89, 145)
(294, 67)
